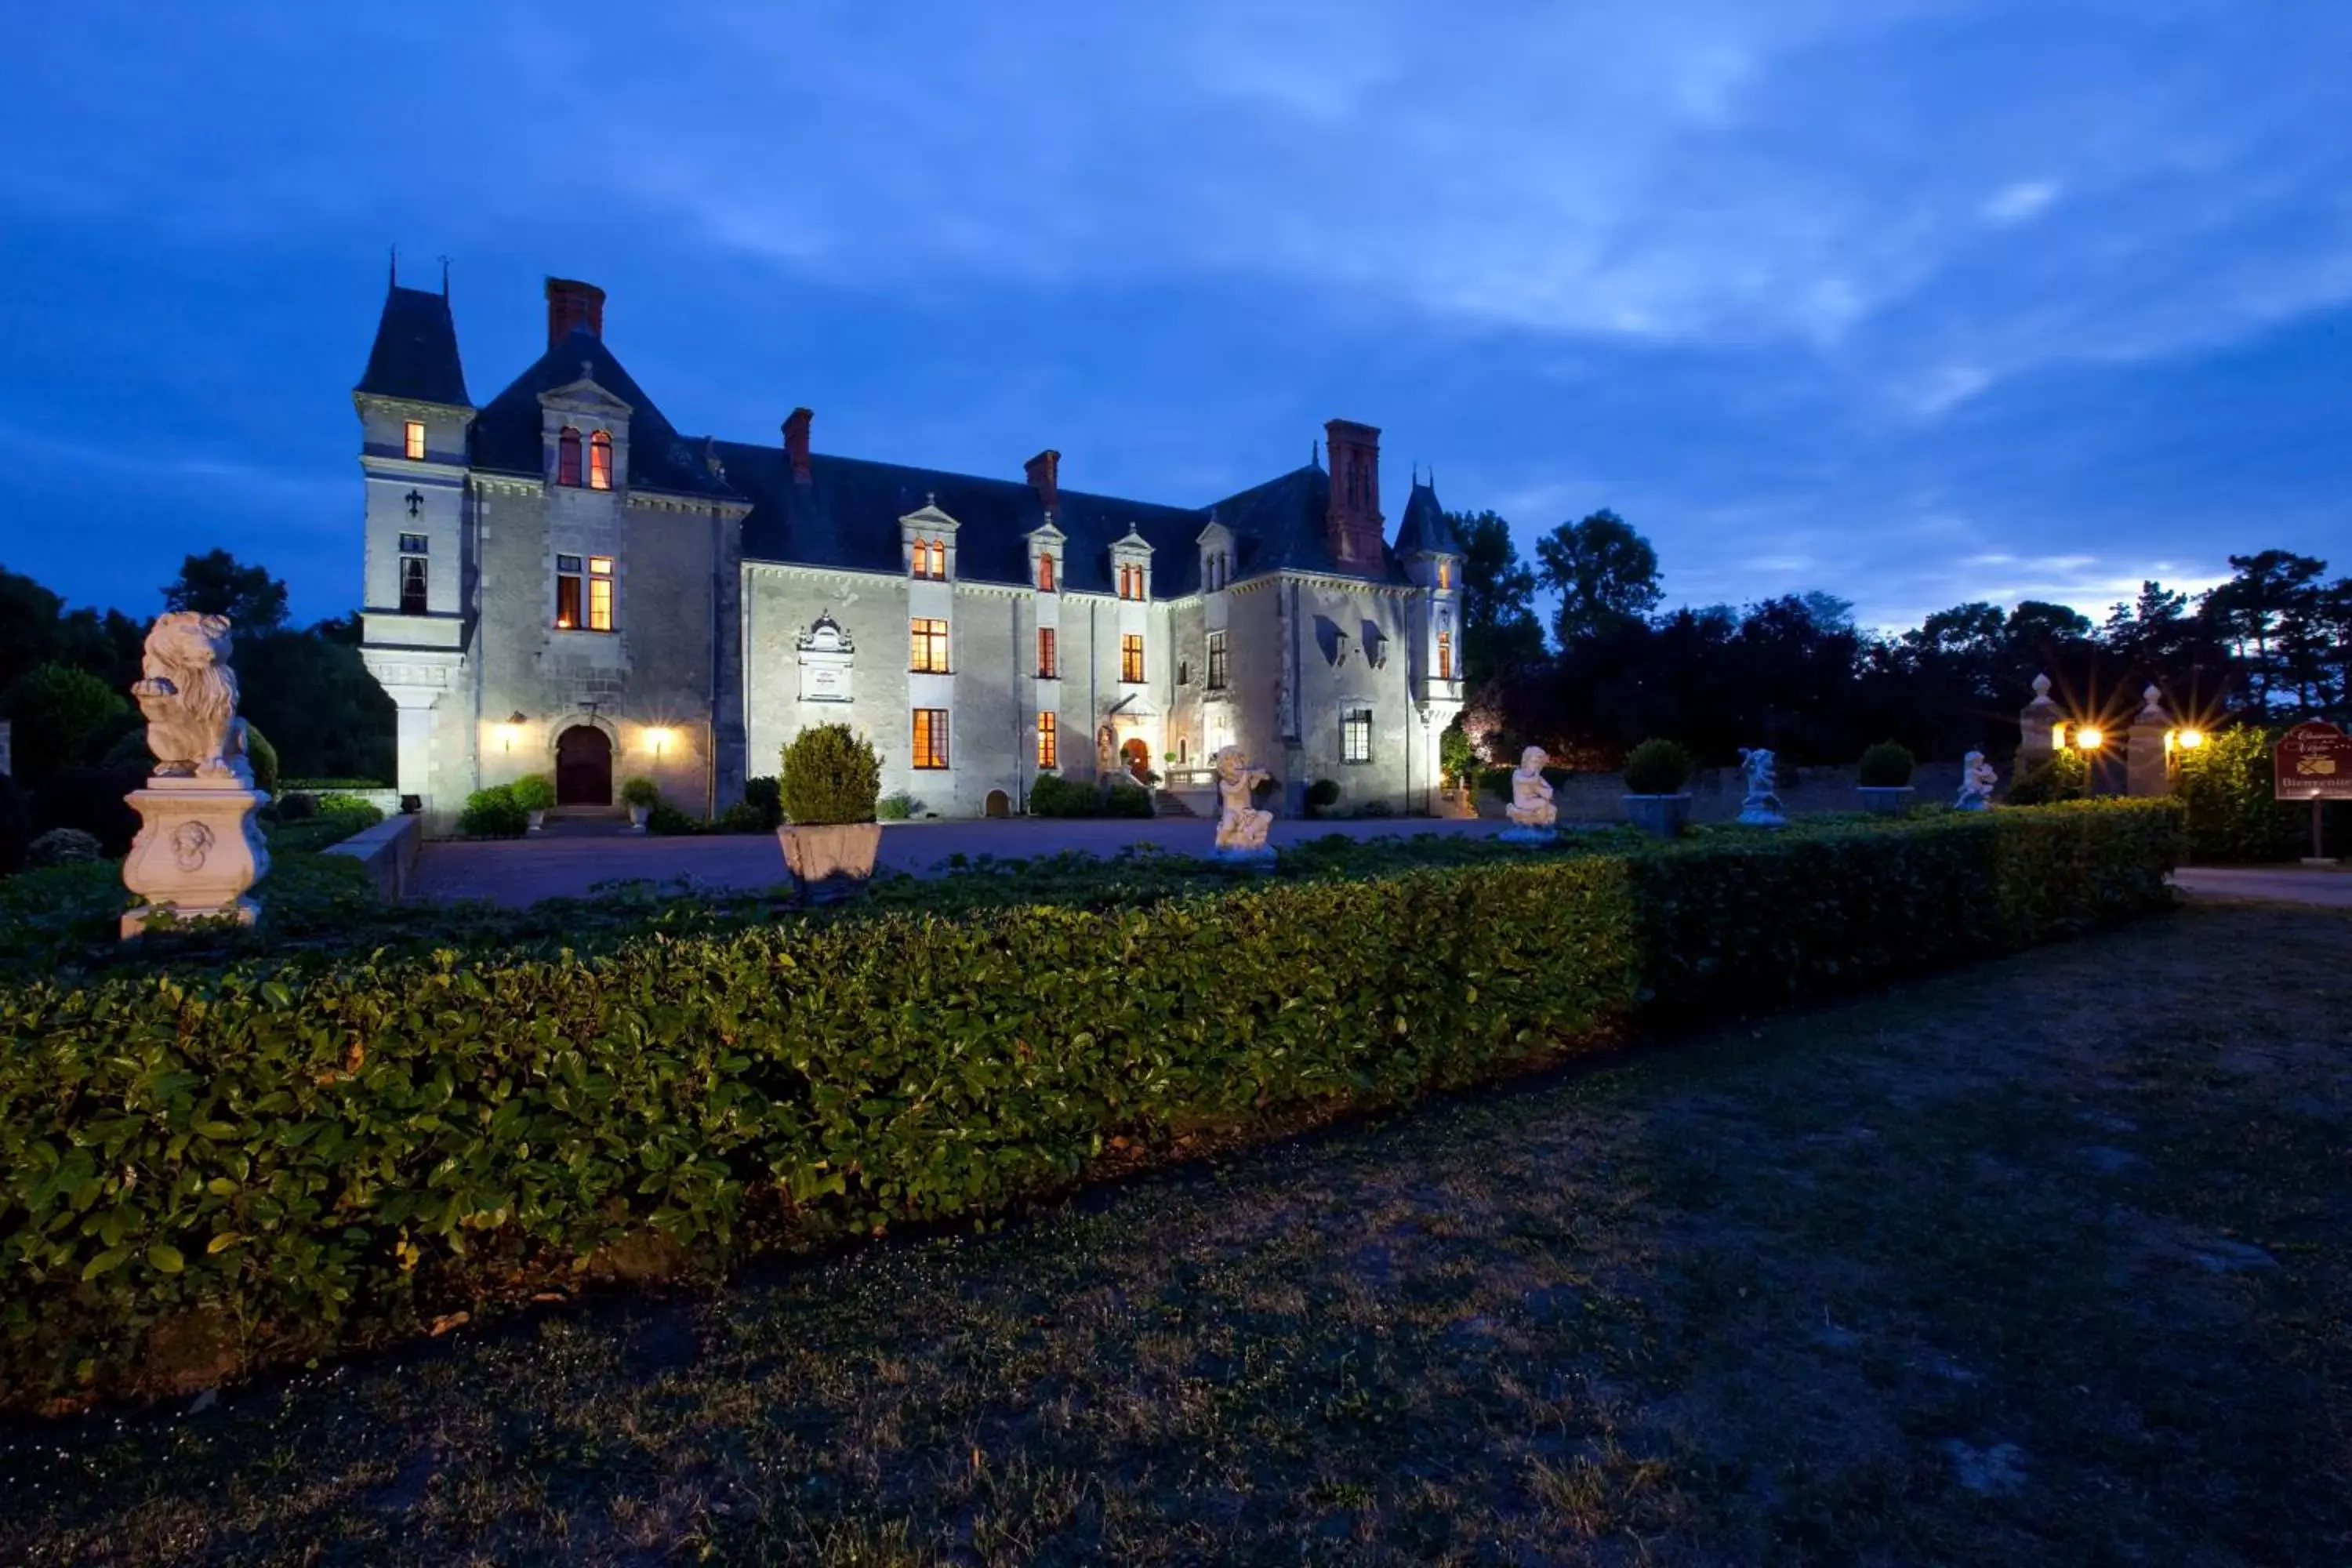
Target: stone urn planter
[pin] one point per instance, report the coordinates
(1662, 814)
(637, 817)
(1885, 800)
(640, 795)
(833, 860)
(1884, 779)
(538, 821)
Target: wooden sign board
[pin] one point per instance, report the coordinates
(2313, 761)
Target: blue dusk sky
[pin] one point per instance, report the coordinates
(1912, 303)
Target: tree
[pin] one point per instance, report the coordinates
(214, 585)
(61, 718)
(1605, 574)
(28, 626)
(1827, 610)
(2258, 608)
(1498, 620)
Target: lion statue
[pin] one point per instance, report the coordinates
(189, 696)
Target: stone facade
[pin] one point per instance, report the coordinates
(557, 580)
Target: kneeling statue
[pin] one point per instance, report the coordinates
(1241, 827)
(1531, 804)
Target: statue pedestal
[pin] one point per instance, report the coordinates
(1261, 857)
(1520, 833)
(198, 849)
(1764, 812)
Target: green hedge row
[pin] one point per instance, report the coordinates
(202, 1174)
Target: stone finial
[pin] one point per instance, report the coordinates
(2152, 703)
(2042, 691)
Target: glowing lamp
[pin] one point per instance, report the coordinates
(2189, 740)
(659, 741)
(510, 730)
(2088, 738)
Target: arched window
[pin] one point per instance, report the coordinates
(567, 457)
(600, 461)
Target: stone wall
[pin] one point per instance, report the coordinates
(1716, 792)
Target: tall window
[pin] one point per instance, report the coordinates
(930, 737)
(568, 596)
(929, 559)
(1445, 656)
(1444, 573)
(1356, 735)
(413, 565)
(415, 443)
(567, 457)
(930, 648)
(1216, 661)
(1045, 573)
(1130, 657)
(1049, 743)
(1130, 580)
(600, 593)
(600, 461)
(1046, 667)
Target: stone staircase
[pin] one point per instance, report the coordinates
(1165, 802)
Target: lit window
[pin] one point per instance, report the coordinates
(1356, 735)
(1444, 573)
(412, 573)
(1216, 661)
(415, 446)
(1130, 580)
(931, 559)
(940, 559)
(567, 457)
(1445, 656)
(600, 594)
(600, 461)
(1044, 573)
(1130, 657)
(930, 737)
(567, 593)
(1047, 667)
(931, 646)
(1049, 745)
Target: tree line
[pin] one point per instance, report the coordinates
(1796, 674)
(65, 676)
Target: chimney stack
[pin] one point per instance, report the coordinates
(572, 303)
(1353, 523)
(796, 435)
(1045, 471)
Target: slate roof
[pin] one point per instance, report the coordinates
(1425, 527)
(416, 352)
(509, 436)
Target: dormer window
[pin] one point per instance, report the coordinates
(1045, 573)
(413, 446)
(567, 458)
(1131, 580)
(600, 461)
(928, 559)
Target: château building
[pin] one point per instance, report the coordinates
(558, 580)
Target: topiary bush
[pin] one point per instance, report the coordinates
(1321, 796)
(1886, 765)
(62, 717)
(492, 814)
(640, 793)
(1054, 795)
(295, 806)
(765, 794)
(830, 775)
(63, 846)
(1128, 800)
(1658, 767)
(262, 758)
(534, 792)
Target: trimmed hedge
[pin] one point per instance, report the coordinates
(2235, 814)
(203, 1173)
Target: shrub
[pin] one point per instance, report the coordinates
(63, 846)
(352, 1145)
(1054, 795)
(1886, 765)
(1376, 808)
(60, 716)
(90, 799)
(15, 825)
(668, 819)
(492, 814)
(765, 796)
(1457, 754)
(743, 816)
(2233, 810)
(1322, 794)
(1658, 767)
(128, 754)
(327, 827)
(640, 793)
(262, 758)
(897, 806)
(335, 804)
(830, 775)
(1129, 800)
(534, 792)
(2065, 776)
(295, 806)
(324, 786)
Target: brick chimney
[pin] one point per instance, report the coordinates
(572, 303)
(1353, 522)
(796, 434)
(1045, 471)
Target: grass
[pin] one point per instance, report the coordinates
(2042, 1262)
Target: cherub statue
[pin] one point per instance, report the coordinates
(1761, 808)
(189, 695)
(1239, 826)
(1978, 781)
(1531, 804)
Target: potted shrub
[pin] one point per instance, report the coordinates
(1884, 780)
(640, 795)
(1655, 801)
(831, 780)
(535, 792)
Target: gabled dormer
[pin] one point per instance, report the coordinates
(585, 432)
(1218, 548)
(1130, 564)
(1046, 547)
(927, 543)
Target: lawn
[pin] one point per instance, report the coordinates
(2047, 1260)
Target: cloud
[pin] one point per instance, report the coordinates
(2017, 202)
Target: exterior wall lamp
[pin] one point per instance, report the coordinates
(659, 741)
(510, 730)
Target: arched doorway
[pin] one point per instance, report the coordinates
(1138, 758)
(583, 767)
(999, 803)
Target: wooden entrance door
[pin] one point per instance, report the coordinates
(1138, 758)
(583, 767)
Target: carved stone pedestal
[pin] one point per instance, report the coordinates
(198, 849)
